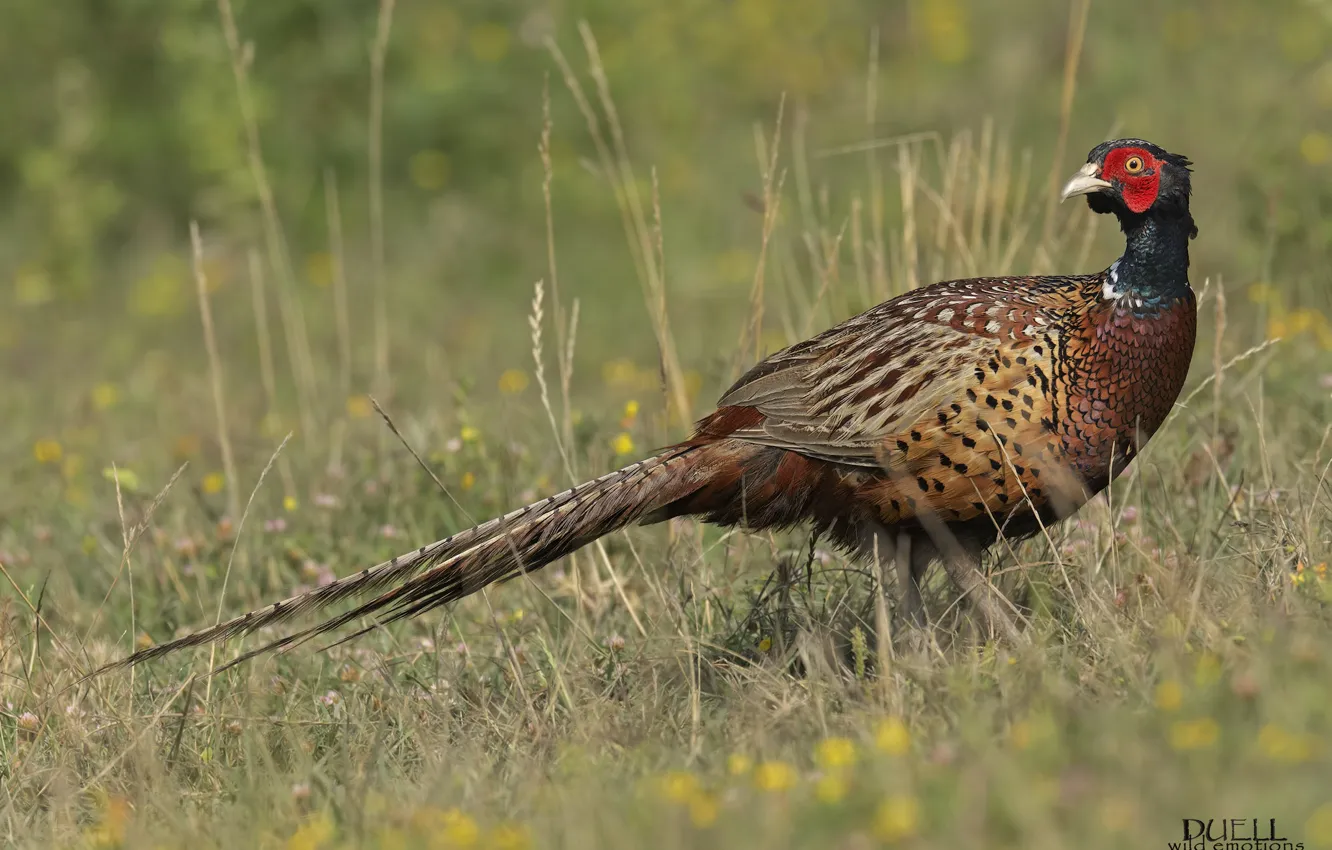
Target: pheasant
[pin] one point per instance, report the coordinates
(919, 431)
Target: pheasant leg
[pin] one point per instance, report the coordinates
(908, 579)
(964, 569)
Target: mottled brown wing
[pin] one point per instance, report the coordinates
(946, 389)
(840, 394)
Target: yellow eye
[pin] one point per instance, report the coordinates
(1133, 164)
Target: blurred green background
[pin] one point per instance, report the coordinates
(121, 124)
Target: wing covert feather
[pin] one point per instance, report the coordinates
(899, 368)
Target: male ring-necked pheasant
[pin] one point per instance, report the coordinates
(919, 430)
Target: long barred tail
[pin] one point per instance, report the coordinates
(449, 569)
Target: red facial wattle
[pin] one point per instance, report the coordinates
(1138, 189)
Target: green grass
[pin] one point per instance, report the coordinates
(681, 687)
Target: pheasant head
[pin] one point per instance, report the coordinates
(1131, 177)
(1147, 188)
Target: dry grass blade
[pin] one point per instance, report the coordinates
(337, 253)
(139, 736)
(1077, 31)
(214, 370)
(130, 541)
(231, 558)
(564, 336)
(293, 320)
(618, 169)
(772, 196)
(375, 152)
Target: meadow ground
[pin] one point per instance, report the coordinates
(675, 686)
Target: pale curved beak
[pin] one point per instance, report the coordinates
(1084, 183)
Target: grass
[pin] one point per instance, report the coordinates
(674, 686)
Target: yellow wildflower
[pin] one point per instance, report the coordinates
(468, 480)
(1279, 745)
(450, 828)
(1318, 828)
(693, 382)
(1194, 734)
(774, 776)
(946, 30)
(109, 831)
(630, 409)
(765, 644)
(1019, 734)
(392, 838)
(513, 381)
(897, 818)
(835, 753)
(623, 444)
(892, 737)
(703, 810)
(738, 764)
(1316, 148)
(678, 786)
(213, 483)
(459, 830)
(313, 834)
(469, 434)
(509, 836)
(359, 407)
(47, 451)
(1305, 319)
(105, 396)
(1262, 293)
(289, 503)
(1208, 670)
(1169, 695)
